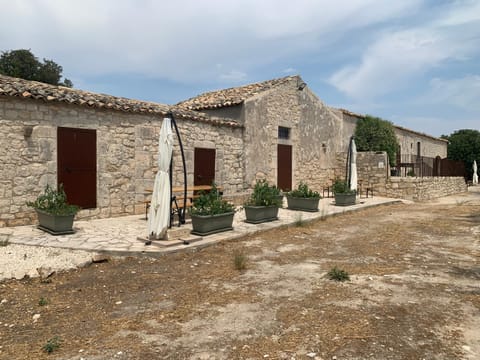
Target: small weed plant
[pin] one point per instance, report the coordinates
(299, 222)
(338, 274)
(240, 261)
(4, 241)
(42, 301)
(52, 344)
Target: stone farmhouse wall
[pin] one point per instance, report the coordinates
(347, 127)
(313, 135)
(229, 155)
(127, 150)
(429, 146)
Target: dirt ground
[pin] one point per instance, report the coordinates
(414, 293)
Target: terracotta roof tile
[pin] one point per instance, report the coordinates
(27, 89)
(231, 96)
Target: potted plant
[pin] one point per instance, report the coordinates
(55, 214)
(303, 198)
(343, 195)
(263, 204)
(211, 214)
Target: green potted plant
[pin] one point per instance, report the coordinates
(263, 204)
(343, 195)
(55, 214)
(303, 198)
(211, 214)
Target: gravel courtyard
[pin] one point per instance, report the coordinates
(414, 293)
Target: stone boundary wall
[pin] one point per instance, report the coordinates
(374, 171)
(423, 188)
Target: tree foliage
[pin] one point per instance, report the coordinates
(375, 134)
(23, 64)
(464, 145)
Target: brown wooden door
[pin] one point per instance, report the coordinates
(204, 166)
(284, 167)
(77, 165)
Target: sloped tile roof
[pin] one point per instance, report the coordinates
(26, 89)
(231, 96)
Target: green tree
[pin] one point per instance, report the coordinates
(23, 64)
(375, 134)
(464, 145)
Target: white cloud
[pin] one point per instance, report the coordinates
(233, 76)
(397, 57)
(435, 125)
(462, 92)
(182, 40)
(465, 12)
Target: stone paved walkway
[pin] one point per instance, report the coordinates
(120, 236)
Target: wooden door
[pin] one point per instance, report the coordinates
(77, 165)
(204, 166)
(284, 167)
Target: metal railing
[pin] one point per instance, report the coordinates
(422, 166)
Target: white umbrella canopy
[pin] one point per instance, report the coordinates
(475, 176)
(353, 178)
(159, 213)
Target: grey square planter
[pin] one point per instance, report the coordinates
(260, 214)
(303, 204)
(211, 224)
(342, 199)
(55, 224)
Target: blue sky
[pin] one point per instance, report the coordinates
(413, 62)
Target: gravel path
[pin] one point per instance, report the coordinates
(18, 261)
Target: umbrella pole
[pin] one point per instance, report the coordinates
(348, 167)
(182, 216)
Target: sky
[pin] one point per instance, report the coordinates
(413, 62)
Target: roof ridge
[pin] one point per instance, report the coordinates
(29, 89)
(233, 95)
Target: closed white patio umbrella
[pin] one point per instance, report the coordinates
(353, 166)
(475, 176)
(159, 213)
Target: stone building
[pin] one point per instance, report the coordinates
(289, 134)
(102, 148)
(412, 144)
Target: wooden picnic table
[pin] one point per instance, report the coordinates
(179, 189)
(177, 201)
